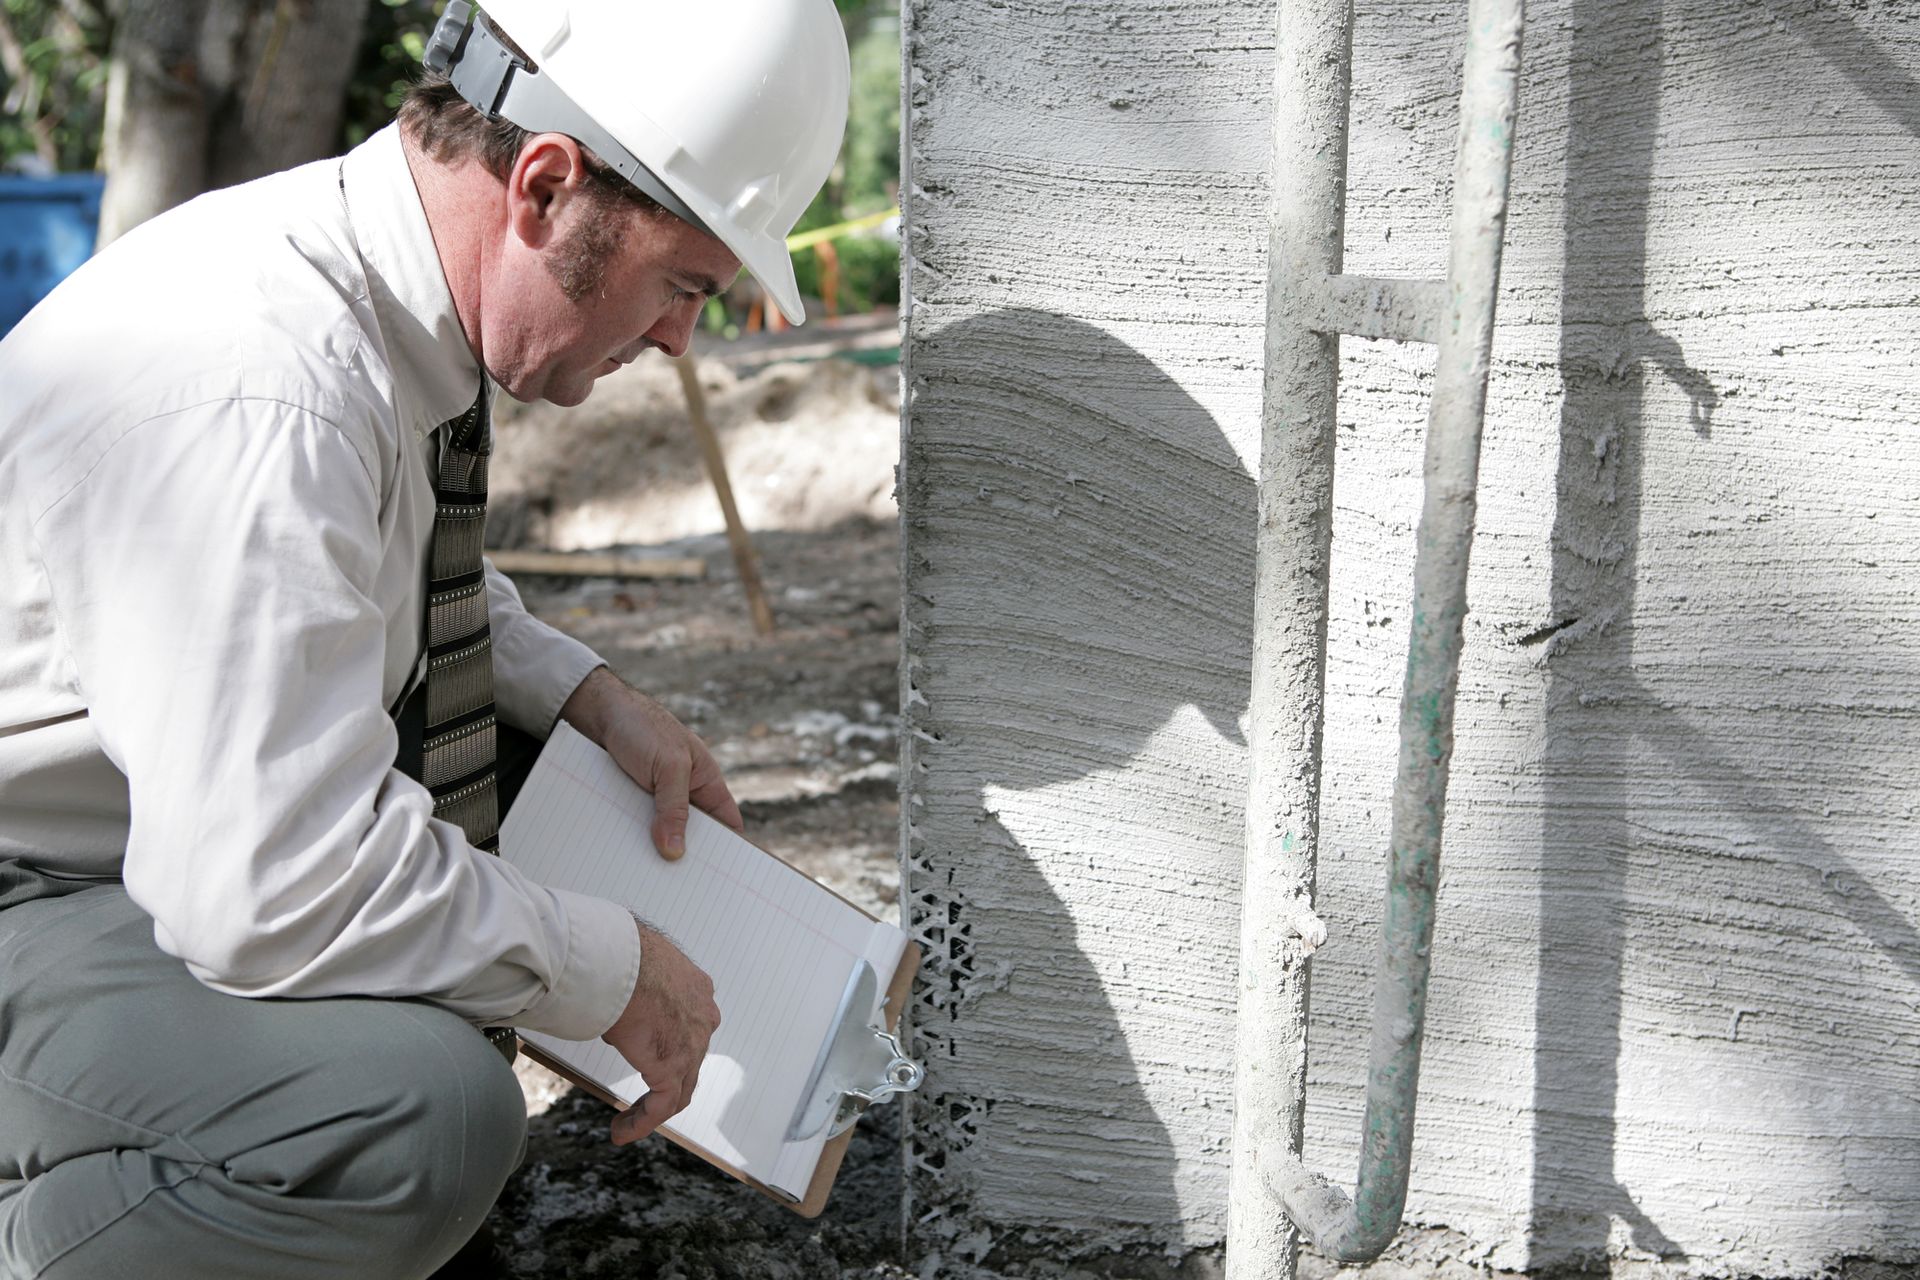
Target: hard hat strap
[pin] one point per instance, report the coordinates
(487, 74)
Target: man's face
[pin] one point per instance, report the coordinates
(602, 282)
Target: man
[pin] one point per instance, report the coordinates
(254, 676)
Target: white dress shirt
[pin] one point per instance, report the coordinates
(215, 507)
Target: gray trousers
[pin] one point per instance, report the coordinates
(152, 1128)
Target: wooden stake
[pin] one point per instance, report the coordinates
(744, 558)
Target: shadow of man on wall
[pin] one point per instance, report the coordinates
(1610, 154)
(1610, 724)
(1078, 546)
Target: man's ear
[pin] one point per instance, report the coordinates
(547, 176)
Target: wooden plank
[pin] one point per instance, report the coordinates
(575, 565)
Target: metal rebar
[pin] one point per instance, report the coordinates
(1357, 1230)
(1306, 228)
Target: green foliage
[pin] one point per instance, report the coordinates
(869, 272)
(870, 159)
(53, 75)
(390, 52)
(867, 177)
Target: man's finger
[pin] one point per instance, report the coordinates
(670, 809)
(643, 1117)
(711, 794)
(629, 1126)
(661, 1105)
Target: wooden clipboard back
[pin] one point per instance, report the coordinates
(831, 1155)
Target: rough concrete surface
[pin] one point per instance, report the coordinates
(1675, 1020)
(803, 724)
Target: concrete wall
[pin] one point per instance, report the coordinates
(1676, 1002)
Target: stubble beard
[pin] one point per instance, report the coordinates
(578, 264)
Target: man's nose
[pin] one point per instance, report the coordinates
(674, 329)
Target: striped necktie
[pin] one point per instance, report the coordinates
(457, 747)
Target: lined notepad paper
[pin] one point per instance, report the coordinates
(778, 946)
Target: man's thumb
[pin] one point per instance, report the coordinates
(670, 828)
(670, 783)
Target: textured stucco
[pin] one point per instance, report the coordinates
(1676, 995)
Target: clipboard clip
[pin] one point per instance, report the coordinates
(860, 1064)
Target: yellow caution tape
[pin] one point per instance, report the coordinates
(819, 235)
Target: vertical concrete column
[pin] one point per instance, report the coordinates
(1306, 226)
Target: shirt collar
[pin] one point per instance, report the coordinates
(434, 372)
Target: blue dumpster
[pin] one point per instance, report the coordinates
(46, 230)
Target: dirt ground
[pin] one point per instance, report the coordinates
(802, 722)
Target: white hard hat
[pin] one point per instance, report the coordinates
(728, 112)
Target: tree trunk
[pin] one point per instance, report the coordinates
(289, 85)
(154, 148)
(206, 93)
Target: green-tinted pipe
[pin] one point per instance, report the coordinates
(1359, 1229)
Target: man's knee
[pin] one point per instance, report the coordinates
(442, 1101)
(423, 1127)
(377, 1157)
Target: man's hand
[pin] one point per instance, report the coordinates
(657, 751)
(663, 1032)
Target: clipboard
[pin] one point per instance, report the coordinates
(781, 940)
(821, 1187)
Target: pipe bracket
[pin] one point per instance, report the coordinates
(1372, 307)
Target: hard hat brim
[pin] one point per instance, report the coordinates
(765, 256)
(772, 265)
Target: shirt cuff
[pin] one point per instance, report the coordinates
(597, 980)
(536, 668)
(530, 697)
